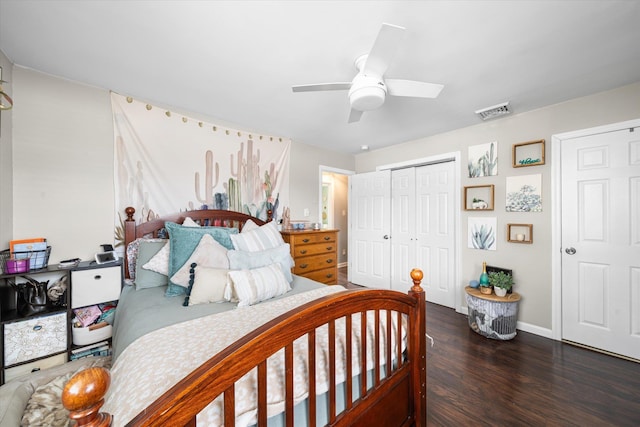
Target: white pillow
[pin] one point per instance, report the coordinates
(243, 260)
(208, 253)
(249, 226)
(264, 237)
(160, 262)
(209, 285)
(188, 222)
(259, 284)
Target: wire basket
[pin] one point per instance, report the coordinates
(23, 262)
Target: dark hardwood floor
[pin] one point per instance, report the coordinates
(527, 381)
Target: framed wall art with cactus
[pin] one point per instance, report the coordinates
(483, 160)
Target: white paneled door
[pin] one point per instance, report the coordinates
(422, 229)
(601, 241)
(369, 221)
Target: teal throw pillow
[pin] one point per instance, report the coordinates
(183, 241)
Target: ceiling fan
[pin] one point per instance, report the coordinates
(368, 89)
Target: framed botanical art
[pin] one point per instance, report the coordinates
(482, 233)
(524, 193)
(483, 160)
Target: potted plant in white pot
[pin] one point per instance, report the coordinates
(501, 282)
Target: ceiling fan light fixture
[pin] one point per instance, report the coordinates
(494, 111)
(367, 98)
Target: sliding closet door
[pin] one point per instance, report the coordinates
(422, 229)
(435, 231)
(403, 226)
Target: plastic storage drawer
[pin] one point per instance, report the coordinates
(96, 285)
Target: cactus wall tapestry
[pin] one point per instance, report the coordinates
(483, 160)
(166, 162)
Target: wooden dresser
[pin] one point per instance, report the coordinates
(315, 253)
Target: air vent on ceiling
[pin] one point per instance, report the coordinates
(494, 111)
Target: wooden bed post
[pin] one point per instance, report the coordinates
(129, 230)
(420, 344)
(83, 396)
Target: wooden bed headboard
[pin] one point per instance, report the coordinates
(205, 217)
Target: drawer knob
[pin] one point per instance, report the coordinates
(97, 277)
(305, 240)
(304, 265)
(37, 328)
(329, 276)
(329, 248)
(327, 238)
(302, 252)
(329, 261)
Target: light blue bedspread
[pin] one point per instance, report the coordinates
(142, 311)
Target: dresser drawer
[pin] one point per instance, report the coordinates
(327, 276)
(94, 286)
(315, 237)
(315, 262)
(38, 365)
(34, 338)
(314, 249)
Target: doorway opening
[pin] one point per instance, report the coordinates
(334, 207)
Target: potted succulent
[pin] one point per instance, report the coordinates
(501, 282)
(478, 204)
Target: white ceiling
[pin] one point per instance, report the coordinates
(236, 61)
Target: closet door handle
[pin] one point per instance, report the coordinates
(385, 237)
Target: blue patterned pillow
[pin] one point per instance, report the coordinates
(183, 241)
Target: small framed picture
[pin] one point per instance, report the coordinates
(528, 154)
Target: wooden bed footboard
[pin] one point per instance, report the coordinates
(395, 396)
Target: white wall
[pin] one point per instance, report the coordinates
(6, 154)
(63, 165)
(531, 263)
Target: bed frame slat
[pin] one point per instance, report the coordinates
(262, 393)
(349, 357)
(332, 371)
(288, 370)
(311, 339)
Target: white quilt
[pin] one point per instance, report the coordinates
(158, 360)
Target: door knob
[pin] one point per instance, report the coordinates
(570, 251)
(385, 237)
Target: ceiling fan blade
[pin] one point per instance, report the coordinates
(322, 86)
(355, 115)
(412, 88)
(383, 50)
